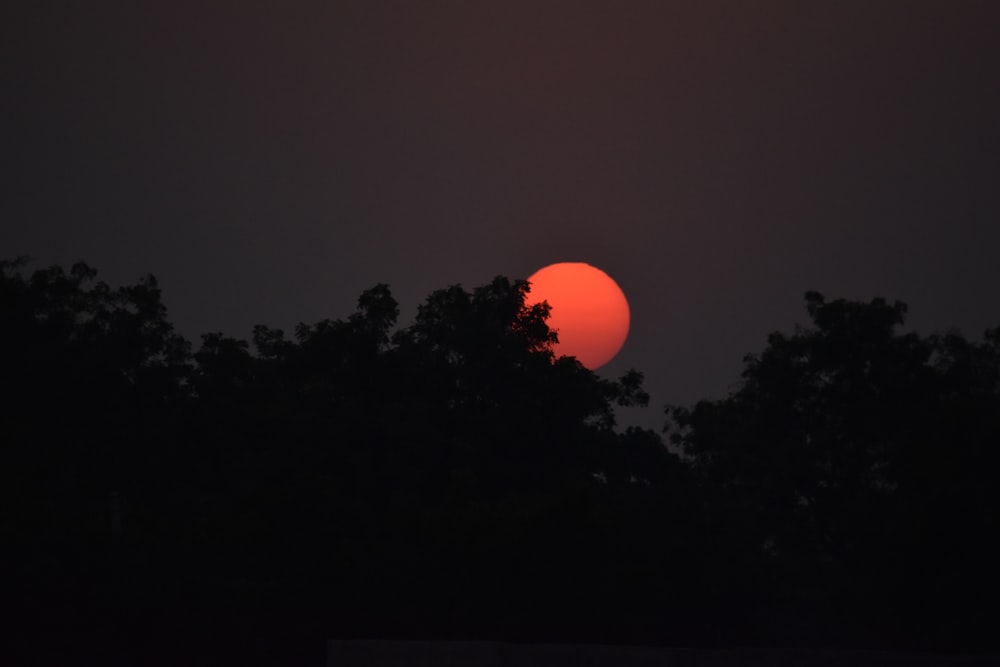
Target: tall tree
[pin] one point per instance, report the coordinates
(846, 461)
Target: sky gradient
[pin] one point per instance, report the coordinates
(268, 163)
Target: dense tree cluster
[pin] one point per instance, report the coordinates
(451, 478)
(860, 463)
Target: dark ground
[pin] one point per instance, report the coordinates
(497, 654)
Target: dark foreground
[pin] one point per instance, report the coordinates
(499, 654)
(453, 480)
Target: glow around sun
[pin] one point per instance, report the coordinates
(589, 311)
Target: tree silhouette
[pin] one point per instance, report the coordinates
(851, 463)
(451, 478)
(93, 380)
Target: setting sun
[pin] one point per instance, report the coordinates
(589, 311)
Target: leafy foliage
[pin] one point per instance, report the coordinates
(451, 478)
(858, 463)
(351, 470)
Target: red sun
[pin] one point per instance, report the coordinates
(589, 311)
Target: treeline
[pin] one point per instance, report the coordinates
(452, 479)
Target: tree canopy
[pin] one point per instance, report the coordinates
(858, 464)
(451, 478)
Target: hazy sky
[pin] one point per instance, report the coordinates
(269, 161)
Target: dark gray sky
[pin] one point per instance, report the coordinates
(269, 161)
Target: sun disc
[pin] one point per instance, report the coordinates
(589, 311)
